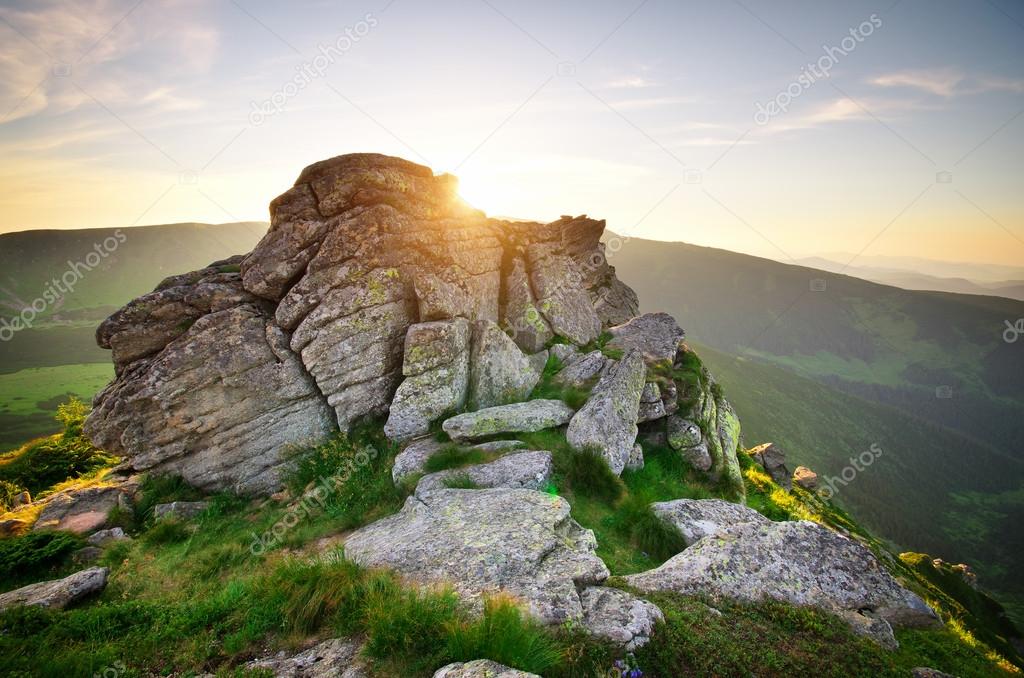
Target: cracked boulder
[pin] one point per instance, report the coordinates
(500, 373)
(220, 405)
(656, 335)
(607, 422)
(518, 542)
(481, 668)
(800, 563)
(436, 370)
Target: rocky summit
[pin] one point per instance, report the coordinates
(377, 294)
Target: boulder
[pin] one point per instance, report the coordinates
(529, 416)
(21, 499)
(805, 478)
(180, 510)
(619, 617)
(436, 369)
(520, 542)
(698, 456)
(530, 330)
(773, 460)
(530, 470)
(59, 593)
(499, 372)
(413, 458)
(561, 297)
(652, 407)
(800, 563)
(539, 361)
(81, 511)
(682, 433)
(656, 335)
(218, 405)
(583, 370)
(698, 518)
(481, 668)
(607, 422)
(335, 658)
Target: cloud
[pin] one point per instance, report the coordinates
(630, 82)
(948, 82)
(100, 45)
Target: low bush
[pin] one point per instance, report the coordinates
(455, 456)
(34, 554)
(43, 463)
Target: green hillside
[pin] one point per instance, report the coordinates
(930, 489)
(939, 356)
(61, 336)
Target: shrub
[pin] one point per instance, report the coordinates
(34, 553)
(8, 491)
(506, 636)
(43, 463)
(587, 473)
(647, 531)
(460, 481)
(167, 531)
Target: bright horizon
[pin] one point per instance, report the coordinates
(647, 115)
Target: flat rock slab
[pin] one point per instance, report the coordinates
(656, 335)
(801, 563)
(698, 518)
(481, 668)
(413, 458)
(335, 658)
(81, 511)
(532, 415)
(500, 445)
(520, 542)
(619, 616)
(59, 593)
(528, 470)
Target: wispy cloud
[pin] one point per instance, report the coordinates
(948, 82)
(630, 82)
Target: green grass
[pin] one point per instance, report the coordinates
(460, 481)
(456, 456)
(35, 556)
(548, 389)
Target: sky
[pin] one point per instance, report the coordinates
(781, 129)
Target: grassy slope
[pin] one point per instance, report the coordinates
(930, 489)
(198, 596)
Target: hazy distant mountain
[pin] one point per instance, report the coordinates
(982, 273)
(913, 280)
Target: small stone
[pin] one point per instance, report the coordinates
(413, 459)
(698, 456)
(682, 433)
(773, 460)
(636, 459)
(619, 617)
(805, 478)
(564, 352)
(181, 510)
(87, 555)
(103, 537)
(335, 658)
(582, 370)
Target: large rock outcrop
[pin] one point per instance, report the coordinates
(221, 372)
